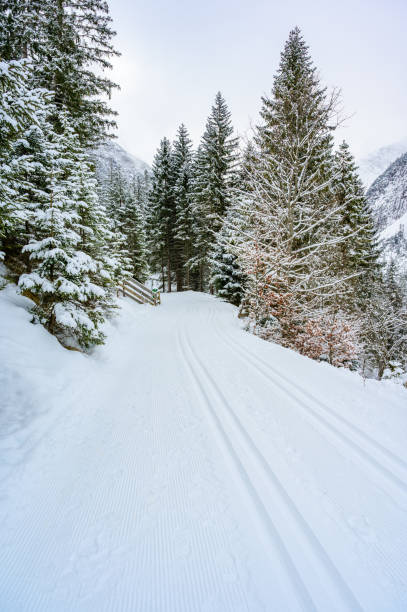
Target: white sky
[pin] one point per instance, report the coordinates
(176, 54)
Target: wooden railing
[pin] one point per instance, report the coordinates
(138, 292)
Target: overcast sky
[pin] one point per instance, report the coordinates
(176, 54)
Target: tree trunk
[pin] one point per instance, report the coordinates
(169, 271)
(179, 280)
(163, 274)
(187, 279)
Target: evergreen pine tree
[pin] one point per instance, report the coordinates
(78, 38)
(133, 229)
(140, 188)
(69, 43)
(19, 111)
(182, 168)
(71, 277)
(29, 165)
(213, 179)
(384, 323)
(53, 226)
(114, 194)
(359, 251)
(199, 262)
(291, 194)
(227, 276)
(162, 214)
(21, 23)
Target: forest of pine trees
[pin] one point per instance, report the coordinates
(66, 237)
(278, 225)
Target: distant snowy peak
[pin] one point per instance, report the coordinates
(111, 152)
(376, 163)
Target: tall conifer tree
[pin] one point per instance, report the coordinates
(71, 277)
(291, 193)
(70, 45)
(214, 175)
(20, 110)
(183, 182)
(161, 214)
(359, 252)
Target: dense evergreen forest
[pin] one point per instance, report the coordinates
(278, 225)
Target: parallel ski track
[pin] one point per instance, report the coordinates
(321, 562)
(362, 445)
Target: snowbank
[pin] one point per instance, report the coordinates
(40, 380)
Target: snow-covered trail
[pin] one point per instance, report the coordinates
(197, 467)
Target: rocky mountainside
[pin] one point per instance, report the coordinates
(388, 194)
(376, 163)
(388, 199)
(111, 152)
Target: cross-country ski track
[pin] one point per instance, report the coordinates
(189, 466)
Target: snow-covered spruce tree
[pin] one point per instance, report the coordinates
(227, 277)
(66, 40)
(184, 224)
(126, 223)
(161, 214)
(199, 262)
(20, 23)
(359, 252)
(214, 176)
(140, 188)
(133, 228)
(292, 200)
(71, 277)
(78, 39)
(30, 168)
(19, 111)
(139, 197)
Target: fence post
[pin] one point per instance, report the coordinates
(132, 288)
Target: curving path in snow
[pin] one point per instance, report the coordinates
(189, 466)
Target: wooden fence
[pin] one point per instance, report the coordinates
(138, 292)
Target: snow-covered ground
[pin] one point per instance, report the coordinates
(188, 465)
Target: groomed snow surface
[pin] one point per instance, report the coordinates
(188, 465)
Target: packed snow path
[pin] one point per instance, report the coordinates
(190, 466)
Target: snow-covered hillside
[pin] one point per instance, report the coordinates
(373, 165)
(388, 200)
(388, 194)
(110, 152)
(188, 465)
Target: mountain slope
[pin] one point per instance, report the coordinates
(372, 166)
(388, 200)
(388, 193)
(190, 466)
(111, 152)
